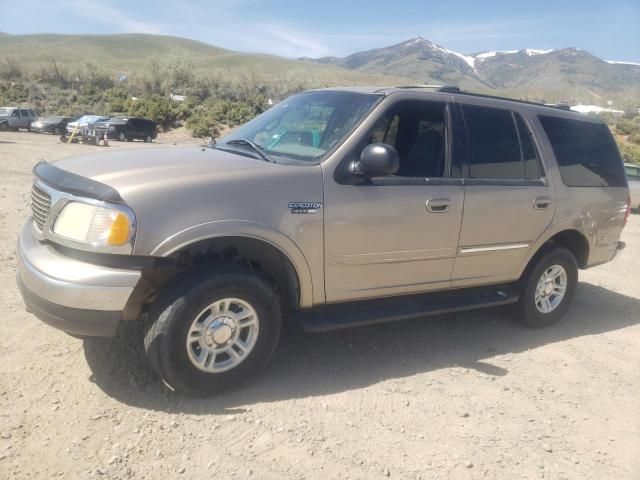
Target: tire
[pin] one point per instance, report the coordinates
(530, 309)
(148, 139)
(4, 127)
(180, 307)
(122, 137)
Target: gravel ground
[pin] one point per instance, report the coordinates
(454, 397)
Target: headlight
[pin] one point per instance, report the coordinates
(94, 224)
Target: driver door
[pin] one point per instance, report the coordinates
(398, 234)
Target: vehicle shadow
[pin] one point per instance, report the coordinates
(310, 365)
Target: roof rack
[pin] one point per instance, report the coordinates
(459, 91)
(437, 88)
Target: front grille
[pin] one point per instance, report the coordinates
(40, 205)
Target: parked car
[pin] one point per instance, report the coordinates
(127, 129)
(56, 125)
(633, 176)
(14, 118)
(336, 208)
(83, 122)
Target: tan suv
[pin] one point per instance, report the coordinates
(335, 208)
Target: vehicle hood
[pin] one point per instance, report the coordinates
(131, 171)
(174, 189)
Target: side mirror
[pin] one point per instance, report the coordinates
(377, 160)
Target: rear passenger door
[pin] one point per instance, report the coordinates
(508, 202)
(25, 119)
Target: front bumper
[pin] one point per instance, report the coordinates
(75, 296)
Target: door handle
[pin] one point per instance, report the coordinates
(438, 205)
(541, 203)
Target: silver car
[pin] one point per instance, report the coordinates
(14, 118)
(335, 208)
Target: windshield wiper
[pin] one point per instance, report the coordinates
(256, 148)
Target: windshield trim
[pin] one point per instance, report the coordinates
(290, 160)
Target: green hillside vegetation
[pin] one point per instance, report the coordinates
(129, 54)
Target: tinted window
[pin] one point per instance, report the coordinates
(24, 113)
(586, 152)
(494, 148)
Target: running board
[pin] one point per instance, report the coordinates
(368, 312)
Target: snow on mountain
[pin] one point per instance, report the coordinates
(532, 51)
(471, 61)
(615, 62)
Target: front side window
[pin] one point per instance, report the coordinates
(586, 152)
(305, 127)
(417, 131)
(15, 113)
(500, 145)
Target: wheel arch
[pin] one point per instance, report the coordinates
(272, 251)
(571, 239)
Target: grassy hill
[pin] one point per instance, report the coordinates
(130, 54)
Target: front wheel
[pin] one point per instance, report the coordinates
(148, 139)
(122, 137)
(212, 329)
(548, 289)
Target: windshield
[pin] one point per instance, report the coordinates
(52, 120)
(5, 111)
(306, 126)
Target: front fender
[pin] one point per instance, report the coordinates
(243, 228)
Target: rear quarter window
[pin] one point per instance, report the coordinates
(586, 152)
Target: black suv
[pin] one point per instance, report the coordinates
(127, 129)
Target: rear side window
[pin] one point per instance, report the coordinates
(500, 145)
(586, 152)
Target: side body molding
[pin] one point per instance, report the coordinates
(243, 228)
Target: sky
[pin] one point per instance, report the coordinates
(609, 29)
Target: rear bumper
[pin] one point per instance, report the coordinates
(68, 294)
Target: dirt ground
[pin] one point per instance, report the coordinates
(460, 396)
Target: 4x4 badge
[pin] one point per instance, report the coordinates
(305, 207)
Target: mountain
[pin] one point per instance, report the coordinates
(567, 74)
(418, 59)
(563, 73)
(130, 54)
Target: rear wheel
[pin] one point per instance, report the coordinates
(4, 127)
(122, 137)
(148, 139)
(213, 329)
(548, 288)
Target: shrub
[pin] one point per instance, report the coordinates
(154, 107)
(202, 125)
(630, 152)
